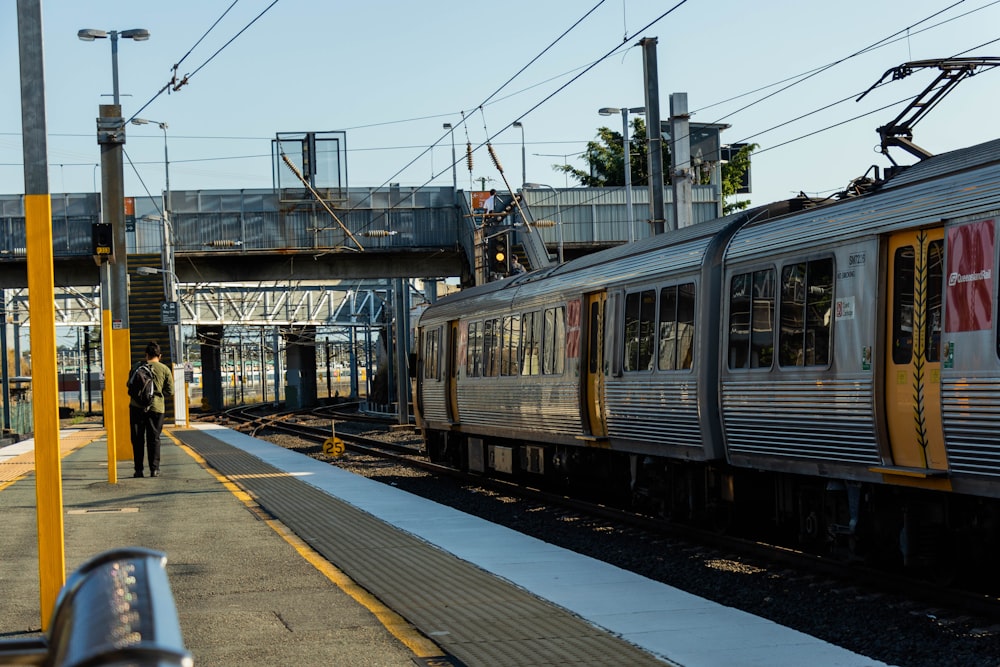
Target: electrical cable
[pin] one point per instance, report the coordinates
(669, 11)
(175, 86)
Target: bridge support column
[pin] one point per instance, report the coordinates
(211, 368)
(300, 365)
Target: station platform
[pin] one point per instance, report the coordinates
(275, 558)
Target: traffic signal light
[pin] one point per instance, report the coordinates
(102, 241)
(498, 249)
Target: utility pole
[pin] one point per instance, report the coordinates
(680, 160)
(114, 276)
(41, 282)
(653, 135)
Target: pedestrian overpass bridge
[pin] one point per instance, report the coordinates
(256, 236)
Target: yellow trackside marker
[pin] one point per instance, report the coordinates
(333, 446)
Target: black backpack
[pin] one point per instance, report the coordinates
(142, 385)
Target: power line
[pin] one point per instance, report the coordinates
(174, 85)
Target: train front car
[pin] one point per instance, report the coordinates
(498, 367)
(860, 376)
(593, 374)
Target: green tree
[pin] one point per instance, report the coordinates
(733, 173)
(605, 157)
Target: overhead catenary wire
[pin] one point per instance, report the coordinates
(607, 55)
(174, 85)
(493, 96)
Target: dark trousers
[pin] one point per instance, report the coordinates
(145, 434)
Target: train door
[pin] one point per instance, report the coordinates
(913, 349)
(593, 386)
(451, 371)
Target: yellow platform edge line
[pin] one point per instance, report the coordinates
(23, 464)
(398, 627)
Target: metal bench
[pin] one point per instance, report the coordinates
(115, 610)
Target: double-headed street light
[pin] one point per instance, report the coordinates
(90, 34)
(627, 151)
(114, 275)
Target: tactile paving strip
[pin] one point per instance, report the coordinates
(477, 617)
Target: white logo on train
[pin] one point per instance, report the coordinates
(955, 278)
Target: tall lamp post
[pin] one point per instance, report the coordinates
(627, 153)
(565, 157)
(176, 342)
(559, 228)
(114, 275)
(454, 169)
(137, 34)
(524, 168)
(170, 284)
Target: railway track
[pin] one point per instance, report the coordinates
(942, 599)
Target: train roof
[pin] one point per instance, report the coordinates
(953, 185)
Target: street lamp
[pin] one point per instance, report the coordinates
(169, 277)
(90, 34)
(524, 168)
(627, 148)
(565, 157)
(559, 228)
(454, 169)
(176, 339)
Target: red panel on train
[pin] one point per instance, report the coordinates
(970, 277)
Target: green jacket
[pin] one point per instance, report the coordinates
(164, 385)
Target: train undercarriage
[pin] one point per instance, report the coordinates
(943, 537)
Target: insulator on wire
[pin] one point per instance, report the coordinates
(496, 160)
(224, 243)
(468, 154)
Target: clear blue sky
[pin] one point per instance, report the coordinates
(390, 73)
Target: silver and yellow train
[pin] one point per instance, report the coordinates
(830, 374)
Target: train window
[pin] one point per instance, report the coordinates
(432, 342)
(906, 312)
(806, 314)
(676, 351)
(751, 319)
(510, 345)
(935, 286)
(531, 342)
(474, 354)
(491, 344)
(554, 341)
(902, 305)
(640, 331)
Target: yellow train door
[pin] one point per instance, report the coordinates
(593, 388)
(913, 352)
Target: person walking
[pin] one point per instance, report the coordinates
(149, 381)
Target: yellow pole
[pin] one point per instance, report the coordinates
(109, 399)
(114, 380)
(41, 287)
(45, 396)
